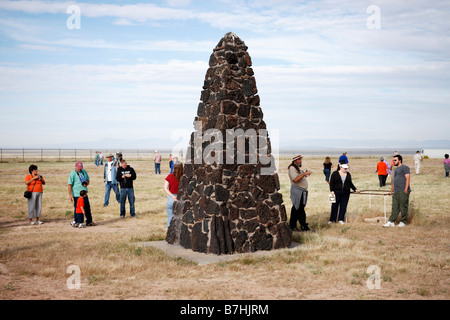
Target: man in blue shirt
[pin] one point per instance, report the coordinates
(343, 158)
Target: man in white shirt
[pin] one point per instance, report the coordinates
(417, 159)
(109, 176)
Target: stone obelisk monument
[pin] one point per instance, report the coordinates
(228, 196)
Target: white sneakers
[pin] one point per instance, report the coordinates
(391, 224)
(340, 222)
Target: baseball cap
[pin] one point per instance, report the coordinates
(79, 165)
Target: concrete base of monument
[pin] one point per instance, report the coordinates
(175, 250)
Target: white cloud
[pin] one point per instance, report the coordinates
(317, 26)
(42, 48)
(178, 3)
(312, 59)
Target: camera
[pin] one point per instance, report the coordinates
(84, 183)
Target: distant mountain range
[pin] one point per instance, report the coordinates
(369, 144)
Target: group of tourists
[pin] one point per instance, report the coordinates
(118, 176)
(117, 173)
(98, 160)
(340, 185)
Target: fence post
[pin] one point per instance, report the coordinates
(23, 155)
(41, 156)
(59, 155)
(75, 155)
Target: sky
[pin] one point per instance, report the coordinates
(128, 74)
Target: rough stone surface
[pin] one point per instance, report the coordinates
(229, 206)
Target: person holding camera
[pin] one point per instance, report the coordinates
(34, 183)
(298, 193)
(109, 177)
(78, 181)
(125, 176)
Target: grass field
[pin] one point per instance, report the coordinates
(331, 263)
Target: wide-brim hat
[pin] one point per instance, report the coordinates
(297, 157)
(344, 165)
(109, 155)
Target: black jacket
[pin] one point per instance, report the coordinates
(336, 183)
(126, 182)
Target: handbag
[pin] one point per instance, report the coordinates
(27, 194)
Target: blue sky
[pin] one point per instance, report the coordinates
(131, 75)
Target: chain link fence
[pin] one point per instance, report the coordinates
(63, 155)
(68, 155)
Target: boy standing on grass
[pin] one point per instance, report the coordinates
(80, 212)
(400, 191)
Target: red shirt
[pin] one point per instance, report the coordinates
(80, 204)
(37, 188)
(173, 183)
(381, 168)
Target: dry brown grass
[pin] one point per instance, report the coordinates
(331, 264)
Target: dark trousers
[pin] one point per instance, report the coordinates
(79, 217)
(298, 215)
(87, 209)
(340, 206)
(382, 179)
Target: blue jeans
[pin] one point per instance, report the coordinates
(157, 168)
(169, 205)
(327, 173)
(108, 186)
(124, 193)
